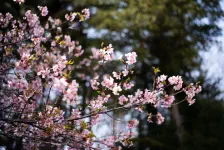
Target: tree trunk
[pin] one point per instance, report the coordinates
(179, 123)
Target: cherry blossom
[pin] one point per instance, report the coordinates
(24, 63)
(31, 18)
(43, 73)
(125, 72)
(50, 92)
(86, 13)
(44, 10)
(71, 16)
(60, 84)
(94, 82)
(127, 85)
(167, 101)
(131, 58)
(177, 81)
(160, 118)
(191, 91)
(19, 1)
(116, 89)
(161, 81)
(150, 97)
(116, 75)
(71, 94)
(107, 82)
(122, 100)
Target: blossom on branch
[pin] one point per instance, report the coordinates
(44, 10)
(131, 58)
(19, 1)
(50, 90)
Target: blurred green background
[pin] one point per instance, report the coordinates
(169, 34)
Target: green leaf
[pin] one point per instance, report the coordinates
(156, 70)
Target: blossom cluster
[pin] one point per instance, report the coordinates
(19, 1)
(47, 89)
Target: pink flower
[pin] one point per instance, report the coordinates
(177, 81)
(60, 84)
(191, 91)
(168, 101)
(85, 135)
(190, 101)
(44, 10)
(162, 78)
(160, 81)
(62, 62)
(20, 84)
(31, 18)
(98, 102)
(116, 75)
(71, 94)
(198, 89)
(19, 1)
(116, 89)
(56, 70)
(122, 100)
(110, 140)
(109, 49)
(95, 53)
(125, 72)
(37, 32)
(131, 58)
(139, 94)
(43, 73)
(108, 82)
(23, 64)
(70, 17)
(76, 113)
(132, 123)
(160, 118)
(94, 83)
(107, 52)
(149, 97)
(127, 85)
(86, 13)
